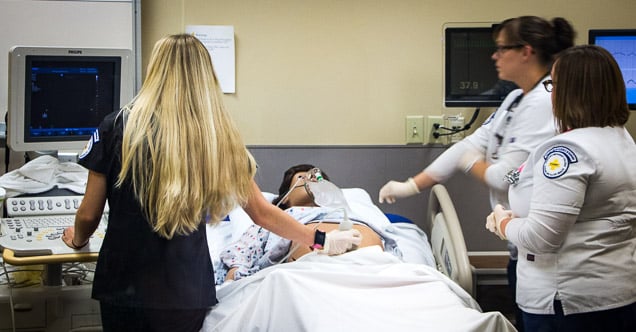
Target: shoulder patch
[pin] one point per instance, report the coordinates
(96, 135)
(557, 161)
(87, 148)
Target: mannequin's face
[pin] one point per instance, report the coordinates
(299, 196)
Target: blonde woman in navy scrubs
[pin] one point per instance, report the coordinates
(168, 162)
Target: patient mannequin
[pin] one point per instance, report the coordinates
(256, 249)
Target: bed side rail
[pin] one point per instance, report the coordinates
(447, 240)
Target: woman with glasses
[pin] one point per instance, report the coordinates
(573, 214)
(524, 53)
(525, 49)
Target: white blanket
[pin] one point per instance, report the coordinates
(363, 290)
(43, 174)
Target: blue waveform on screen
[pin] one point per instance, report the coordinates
(624, 51)
(615, 54)
(627, 64)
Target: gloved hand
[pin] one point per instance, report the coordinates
(491, 225)
(495, 219)
(338, 242)
(468, 160)
(394, 189)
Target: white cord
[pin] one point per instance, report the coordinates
(289, 191)
(292, 250)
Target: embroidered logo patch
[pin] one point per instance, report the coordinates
(557, 161)
(88, 146)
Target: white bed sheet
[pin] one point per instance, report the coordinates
(363, 290)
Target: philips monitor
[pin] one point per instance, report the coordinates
(58, 96)
(470, 78)
(622, 45)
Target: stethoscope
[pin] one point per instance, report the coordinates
(501, 132)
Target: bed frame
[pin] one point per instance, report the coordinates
(447, 240)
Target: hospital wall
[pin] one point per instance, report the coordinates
(330, 82)
(348, 72)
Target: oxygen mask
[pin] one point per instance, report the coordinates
(327, 194)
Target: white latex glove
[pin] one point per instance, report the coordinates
(468, 160)
(338, 242)
(494, 220)
(394, 189)
(491, 225)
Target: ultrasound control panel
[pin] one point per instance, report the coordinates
(35, 225)
(42, 206)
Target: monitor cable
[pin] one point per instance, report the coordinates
(453, 131)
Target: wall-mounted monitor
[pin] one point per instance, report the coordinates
(622, 45)
(58, 96)
(470, 77)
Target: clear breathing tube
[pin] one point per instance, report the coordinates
(298, 180)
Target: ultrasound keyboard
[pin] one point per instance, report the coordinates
(47, 221)
(35, 226)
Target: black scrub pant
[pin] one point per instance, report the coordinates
(121, 319)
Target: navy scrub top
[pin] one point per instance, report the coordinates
(136, 267)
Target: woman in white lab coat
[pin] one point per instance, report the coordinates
(573, 207)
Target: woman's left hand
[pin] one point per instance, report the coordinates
(496, 218)
(67, 238)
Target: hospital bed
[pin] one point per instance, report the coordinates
(363, 290)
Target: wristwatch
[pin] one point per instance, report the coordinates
(319, 240)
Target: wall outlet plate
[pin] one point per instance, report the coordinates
(430, 130)
(414, 129)
(455, 122)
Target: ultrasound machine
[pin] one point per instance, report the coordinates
(57, 98)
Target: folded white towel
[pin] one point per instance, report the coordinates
(43, 174)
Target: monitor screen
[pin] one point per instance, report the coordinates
(622, 45)
(470, 78)
(58, 96)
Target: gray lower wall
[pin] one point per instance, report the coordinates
(370, 167)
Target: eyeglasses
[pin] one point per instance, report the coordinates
(548, 85)
(500, 49)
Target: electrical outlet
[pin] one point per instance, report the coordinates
(455, 122)
(414, 129)
(431, 130)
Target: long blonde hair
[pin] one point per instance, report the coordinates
(181, 150)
